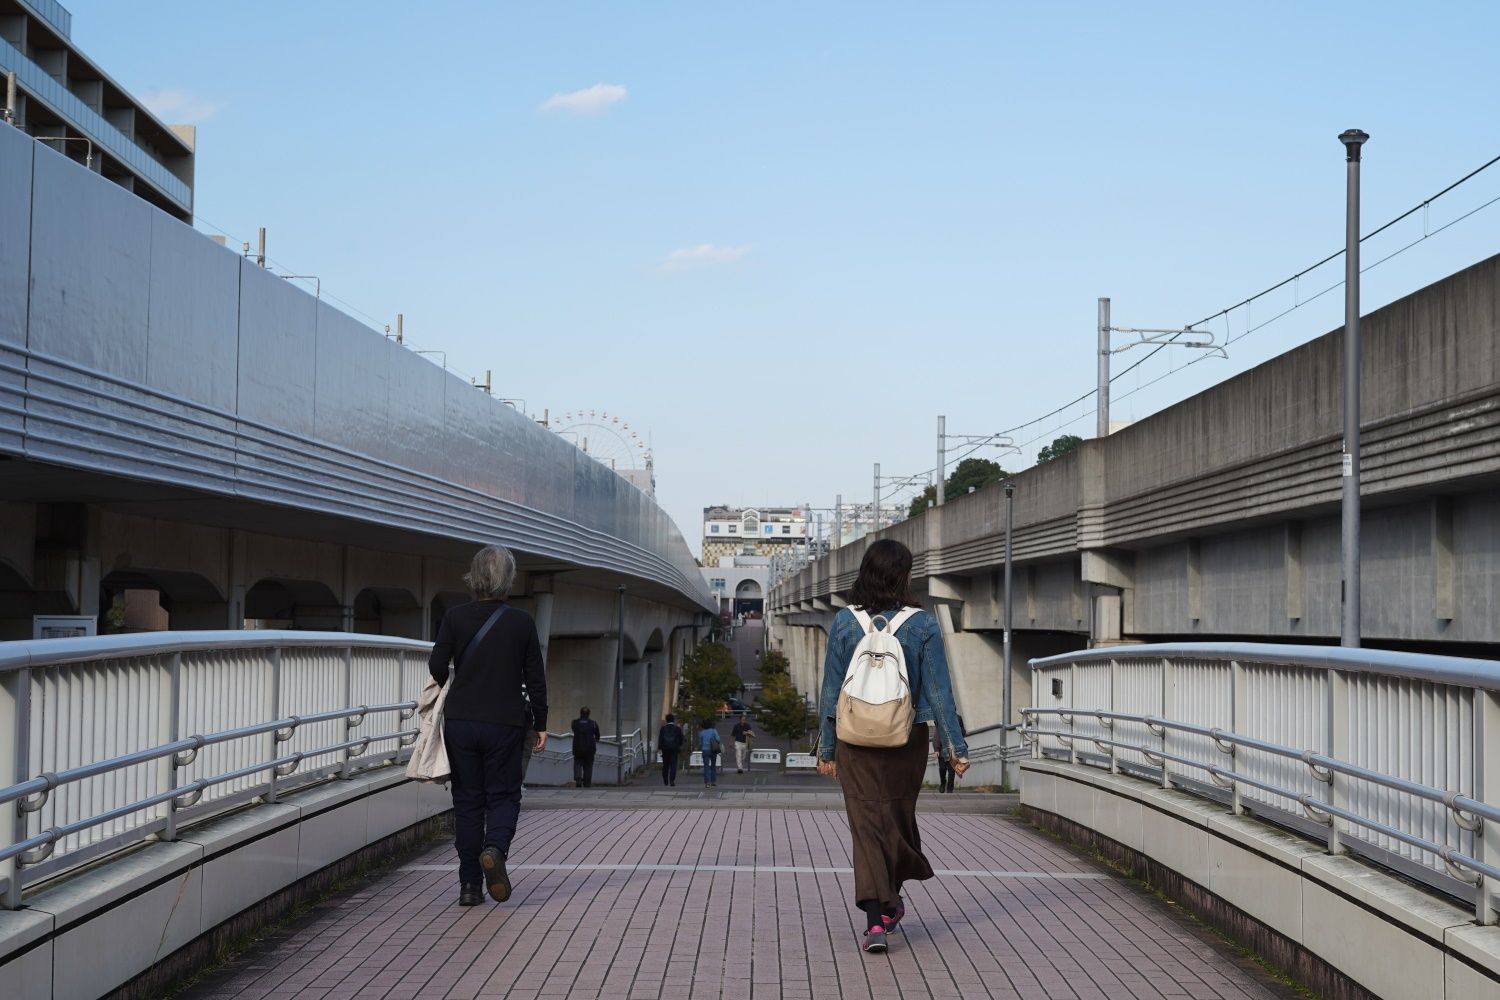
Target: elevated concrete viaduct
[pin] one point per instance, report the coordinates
(1218, 518)
(188, 441)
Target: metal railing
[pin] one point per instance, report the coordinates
(121, 739)
(1391, 756)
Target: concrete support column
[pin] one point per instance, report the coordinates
(541, 587)
(238, 586)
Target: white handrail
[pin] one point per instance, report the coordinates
(123, 738)
(1384, 751)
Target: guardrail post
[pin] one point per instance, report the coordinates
(275, 714)
(15, 702)
(173, 706)
(1487, 790)
(1339, 749)
(1168, 711)
(1239, 711)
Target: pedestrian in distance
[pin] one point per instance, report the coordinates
(585, 742)
(711, 746)
(886, 649)
(493, 653)
(945, 763)
(744, 738)
(669, 741)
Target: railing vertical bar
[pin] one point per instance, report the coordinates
(15, 688)
(174, 706)
(1486, 749)
(348, 752)
(1072, 700)
(1168, 710)
(1238, 705)
(1339, 748)
(273, 745)
(1114, 696)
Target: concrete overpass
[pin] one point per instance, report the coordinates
(1218, 518)
(186, 428)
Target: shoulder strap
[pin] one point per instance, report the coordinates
(901, 618)
(484, 630)
(863, 619)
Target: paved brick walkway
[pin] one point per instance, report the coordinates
(723, 899)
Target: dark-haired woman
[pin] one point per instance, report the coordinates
(881, 784)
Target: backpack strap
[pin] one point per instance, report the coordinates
(864, 620)
(901, 618)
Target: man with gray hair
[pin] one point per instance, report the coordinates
(497, 668)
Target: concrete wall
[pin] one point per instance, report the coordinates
(141, 349)
(1218, 517)
(79, 939)
(1332, 923)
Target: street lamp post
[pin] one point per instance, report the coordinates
(1005, 681)
(1352, 139)
(620, 689)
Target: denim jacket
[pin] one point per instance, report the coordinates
(926, 670)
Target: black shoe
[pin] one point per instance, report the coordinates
(468, 894)
(493, 863)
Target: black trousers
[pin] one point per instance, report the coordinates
(669, 767)
(945, 774)
(583, 771)
(485, 758)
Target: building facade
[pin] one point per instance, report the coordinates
(753, 531)
(56, 94)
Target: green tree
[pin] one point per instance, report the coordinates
(975, 472)
(1058, 448)
(709, 678)
(774, 662)
(781, 711)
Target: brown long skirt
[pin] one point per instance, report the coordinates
(880, 797)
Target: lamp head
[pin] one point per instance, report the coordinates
(1353, 139)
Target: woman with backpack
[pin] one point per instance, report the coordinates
(885, 681)
(711, 746)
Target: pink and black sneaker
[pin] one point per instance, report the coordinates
(874, 942)
(891, 921)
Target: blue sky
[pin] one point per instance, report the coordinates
(737, 225)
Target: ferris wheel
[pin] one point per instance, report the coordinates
(604, 437)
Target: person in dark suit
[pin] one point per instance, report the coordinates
(670, 741)
(585, 742)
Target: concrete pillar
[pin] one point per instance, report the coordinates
(238, 585)
(580, 672)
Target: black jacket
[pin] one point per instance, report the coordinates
(585, 738)
(496, 679)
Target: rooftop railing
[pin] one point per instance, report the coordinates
(1394, 757)
(122, 739)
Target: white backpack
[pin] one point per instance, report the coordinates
(875, 705)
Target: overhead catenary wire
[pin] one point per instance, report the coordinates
(1421, 206)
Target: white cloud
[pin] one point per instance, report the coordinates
(178, 107)
(588, 101)
(703, 253)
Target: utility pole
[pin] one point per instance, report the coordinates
(875, 507)
(1352, 139)
(838, 520)
(1103, 408)
(400, 320)
(260, 252)
(10, 98)
(942, 456)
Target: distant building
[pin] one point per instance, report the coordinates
(72, 106)
(739, 582)
(757, 531)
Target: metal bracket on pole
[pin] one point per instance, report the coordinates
(1204, 339)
